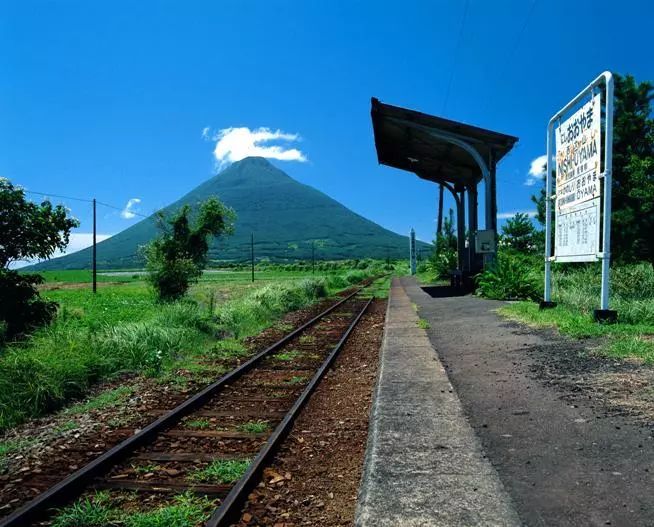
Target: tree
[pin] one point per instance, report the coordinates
(178, 256)
(27, 231)
(444, 257)
(632, 218)
(519, 234)
(632, 221)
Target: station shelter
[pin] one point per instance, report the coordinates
(455, 155)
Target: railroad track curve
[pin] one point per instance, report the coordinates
(241, 418)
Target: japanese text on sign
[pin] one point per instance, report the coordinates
(577, 232)
(578, 151)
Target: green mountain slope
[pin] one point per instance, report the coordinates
(285, 216)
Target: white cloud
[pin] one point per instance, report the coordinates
(536, 170)
(128, 213)
(77, 242)
(234, 144)
(510, 214)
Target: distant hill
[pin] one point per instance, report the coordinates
(285, 216)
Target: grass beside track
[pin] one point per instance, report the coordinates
(577, 292)
(123, 329)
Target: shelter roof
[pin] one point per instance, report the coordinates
(414, 141)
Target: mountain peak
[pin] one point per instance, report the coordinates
(284, 215)
(255, 161)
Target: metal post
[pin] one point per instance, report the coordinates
(252, 253)
(412, 252)
(460, 230)
(439, 220)
(604, 314)
(493, 181)
(547, 294)
(94, 262)
(472, 227)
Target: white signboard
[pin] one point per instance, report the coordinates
(578, 153)
(577, 232)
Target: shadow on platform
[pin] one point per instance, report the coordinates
(445, 291)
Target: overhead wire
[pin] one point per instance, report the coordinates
(455, 55)
(85, 200)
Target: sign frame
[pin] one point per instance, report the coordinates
(604, 255)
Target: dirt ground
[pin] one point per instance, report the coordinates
(314, 478)
(569, 432)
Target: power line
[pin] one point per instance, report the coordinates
(513, 49)
(48, 194)
(121, 209)
(85, 200)
(455, 55)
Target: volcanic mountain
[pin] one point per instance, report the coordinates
(289, 220)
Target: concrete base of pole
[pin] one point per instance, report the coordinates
(605, 316)
(545, 304)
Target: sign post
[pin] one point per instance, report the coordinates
(582, 180)
(412, 252)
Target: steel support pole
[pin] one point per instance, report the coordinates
(547, 294)
(472, 227)
(461, 230)
(608, 177)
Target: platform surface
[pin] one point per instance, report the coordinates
(424, 464)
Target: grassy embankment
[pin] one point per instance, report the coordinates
(123, 329)
(576, 289)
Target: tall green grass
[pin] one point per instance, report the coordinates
(251, 313)
(632, 290)
(576, 289)
(84, 345)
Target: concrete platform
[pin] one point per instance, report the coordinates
(424, 464)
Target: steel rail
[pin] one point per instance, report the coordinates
(74, 483)
(230, 508)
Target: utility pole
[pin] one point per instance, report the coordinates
(252, 253)
(313, 257)
(94, 266)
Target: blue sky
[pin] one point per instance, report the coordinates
(110, 99)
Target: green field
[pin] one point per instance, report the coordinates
(123, 329)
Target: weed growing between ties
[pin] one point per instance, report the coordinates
(99, 510)
(221, 471)
(287, 356)
(254, 427)
(128, 331)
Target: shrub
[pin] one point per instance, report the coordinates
(178, 256)
(511, 277)
(355, 277)
(22, 308)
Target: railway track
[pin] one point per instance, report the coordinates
(236, 422)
